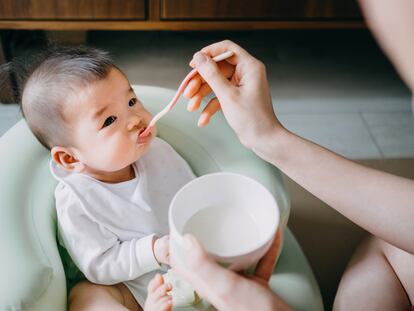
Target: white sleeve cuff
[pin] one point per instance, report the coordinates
(145, 253)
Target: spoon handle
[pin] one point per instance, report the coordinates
(180, 90)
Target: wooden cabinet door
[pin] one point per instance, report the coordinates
(259, 9)
(72, 9)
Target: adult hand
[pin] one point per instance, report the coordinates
(225, 289)
(242, 91)
(266, 265)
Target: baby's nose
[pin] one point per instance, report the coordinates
(134, 122)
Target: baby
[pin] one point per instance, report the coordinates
(114, 188)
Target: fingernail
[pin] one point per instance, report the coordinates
(199, 58)
(203, 119)
(185, 91)
(190, 106)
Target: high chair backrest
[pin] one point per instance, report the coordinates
(31, 272)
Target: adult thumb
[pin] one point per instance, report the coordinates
(211, 73)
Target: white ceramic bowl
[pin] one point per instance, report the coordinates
(227, 190)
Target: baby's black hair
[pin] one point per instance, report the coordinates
(51, 81)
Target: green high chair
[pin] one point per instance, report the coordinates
(32, 276)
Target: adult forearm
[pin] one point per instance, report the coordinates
(377, 201)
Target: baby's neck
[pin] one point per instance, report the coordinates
(124, 174)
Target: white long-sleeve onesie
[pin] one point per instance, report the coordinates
(108, 229)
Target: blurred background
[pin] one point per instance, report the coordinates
(329, 80)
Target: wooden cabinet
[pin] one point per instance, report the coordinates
(82, 15)
(178, 14)
(259, 9)
(72, 10)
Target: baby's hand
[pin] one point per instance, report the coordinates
(162, 249)
(158, 299)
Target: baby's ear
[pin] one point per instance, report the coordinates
(65, 158)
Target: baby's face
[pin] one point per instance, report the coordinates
(106, 122)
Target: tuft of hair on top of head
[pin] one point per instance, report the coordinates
(53, 79)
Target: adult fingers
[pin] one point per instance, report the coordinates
(266, 265)
(220, 47)
(211, 73)
(212, 107)
(195, 101)
(197, 255)
(193, 87)
(197, 82)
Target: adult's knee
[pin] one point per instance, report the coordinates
(369, 281)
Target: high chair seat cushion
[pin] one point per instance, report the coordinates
(32, 276)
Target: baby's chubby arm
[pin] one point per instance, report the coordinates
(99, 253)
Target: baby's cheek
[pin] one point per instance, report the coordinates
(119, 152)
(109, 154)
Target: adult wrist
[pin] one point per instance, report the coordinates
(272, 145)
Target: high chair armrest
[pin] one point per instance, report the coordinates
(30, 265)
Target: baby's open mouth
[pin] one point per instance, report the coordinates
(141, 130)
(143, 133)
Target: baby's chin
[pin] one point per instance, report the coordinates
(143, 148)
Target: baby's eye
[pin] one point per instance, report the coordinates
(132, 102)
(109, 121)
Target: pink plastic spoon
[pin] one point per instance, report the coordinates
(180, 90)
